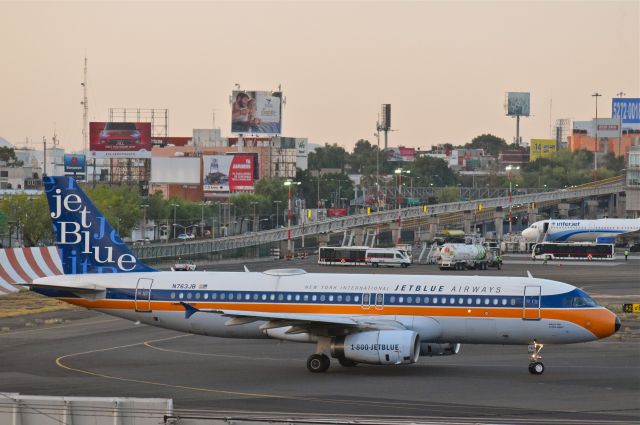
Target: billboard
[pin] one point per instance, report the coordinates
(629, 110)
(177, 170)
(120, 139)
(227, 173)
(518, 103)
(256, 112)
(401, 154)
(542, 148)
(74, 164)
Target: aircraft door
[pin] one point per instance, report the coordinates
(531, 303)
(143, 295)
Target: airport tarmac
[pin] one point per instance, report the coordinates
(96, 355)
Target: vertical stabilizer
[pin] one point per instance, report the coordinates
(86, 241)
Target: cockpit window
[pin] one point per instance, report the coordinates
(577, 299)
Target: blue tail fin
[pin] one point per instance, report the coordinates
(86, 242)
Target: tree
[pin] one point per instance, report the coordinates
(363, 158)
(8, 156)
(272, 188)
(491, 144)
(120, 206)
(30, 214)
(449, 194)
(329, 156)
(432, 171)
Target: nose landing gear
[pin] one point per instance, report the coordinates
(318, 363)
(535, 365)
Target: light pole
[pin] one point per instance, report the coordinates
(277, 211)
(620, 94)
(398, 172)
(595, 149)
(175, 206)
(202, 204)
(289, 183)
(144, 220)
(254, 203)
(509, 168)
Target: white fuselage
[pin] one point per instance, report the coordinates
(461, 309)
(580, 230)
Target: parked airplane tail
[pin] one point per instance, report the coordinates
(86, 241)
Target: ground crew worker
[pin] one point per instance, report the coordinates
(626, 254)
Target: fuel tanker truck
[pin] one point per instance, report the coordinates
(461, 256)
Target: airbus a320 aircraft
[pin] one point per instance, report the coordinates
(355, 318)
(604, 230)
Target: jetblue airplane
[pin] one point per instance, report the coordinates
(604, 230)
(354, 318)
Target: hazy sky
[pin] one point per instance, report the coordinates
(444, 66)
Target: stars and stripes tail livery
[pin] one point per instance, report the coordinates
(388, 319)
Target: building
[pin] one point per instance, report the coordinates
(612, 137)
(542, 148)
(632, 181)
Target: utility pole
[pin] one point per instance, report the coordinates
(596, 147)
(620, 94)
(44, 142)
(85, 122)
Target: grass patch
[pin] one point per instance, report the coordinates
(28, 302)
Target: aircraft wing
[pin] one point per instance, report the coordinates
(299, 322)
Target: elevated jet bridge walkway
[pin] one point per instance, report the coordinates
(203, 247)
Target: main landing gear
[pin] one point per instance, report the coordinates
(317, 363)
(535, 365)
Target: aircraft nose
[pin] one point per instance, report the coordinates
(618, 324)
(529, 234)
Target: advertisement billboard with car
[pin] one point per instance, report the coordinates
(227, 173)
(120, 139)
(256, 112)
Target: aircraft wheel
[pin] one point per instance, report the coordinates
(346, 362)
(317, 363)
(376, 265)
(536, 368)
(404, 265)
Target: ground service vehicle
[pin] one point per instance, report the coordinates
(387, 257)
(184, 266)
(460, 256)
(573, 251)
(343, 255)
(355, 318)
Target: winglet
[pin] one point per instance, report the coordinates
(529, 274)
(246, 269)
(189, 310)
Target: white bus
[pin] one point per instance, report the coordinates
(342, 255)
(387, 257)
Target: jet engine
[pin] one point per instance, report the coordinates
(387, 347)
(431, 349)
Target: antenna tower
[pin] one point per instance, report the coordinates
(85, 110)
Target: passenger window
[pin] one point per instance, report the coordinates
(392, 299)
(339, 298)
(513, 301)
(255, 297)
(297, 297)
(504, 302)
(181, 296)
(356, 298)
(478, 301)
(330, 298)
(272, 297)
(435, 300)
(426, 300)
(214, 296)
(322, 298)
(314, 298)
(247, 297)
(280, 297)
(348, 298)
(223, 296)
(189, 295)
(443, 300)
(469, 301)
(486, 301)
(206, 295)
(288, 297)
(173, 295)
(305, 297)
(495, 301)
(230, 296)
(417, 300)
(197, 295)
(400, 300)
(409, 300)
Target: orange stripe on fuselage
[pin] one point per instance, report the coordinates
(598, 321)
